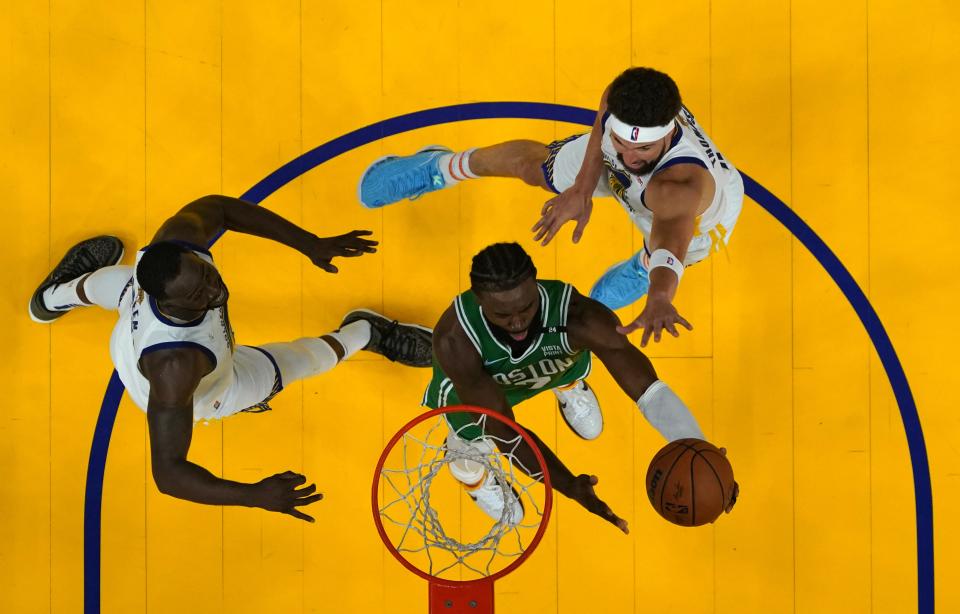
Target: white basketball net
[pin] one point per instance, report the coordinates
(414, 466)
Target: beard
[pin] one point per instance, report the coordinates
(643, 168)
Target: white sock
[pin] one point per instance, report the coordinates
(667, 413)
(105, 286)
(456, 166)
(353, 337)
(63, 297)
(301, 358)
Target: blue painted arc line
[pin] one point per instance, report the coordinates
(923, 497)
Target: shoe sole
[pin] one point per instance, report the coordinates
(30, 302)
(381, 159)
(561, 405)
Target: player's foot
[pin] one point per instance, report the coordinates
(84, 257)
(394, 178)
(623, 283)
(408, 344)
(580, 409)
(498, 502)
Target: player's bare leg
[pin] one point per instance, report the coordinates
(394, 178)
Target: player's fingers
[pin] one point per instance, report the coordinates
(359, 245)
(684, 322)
(672, 329)
(286, 475)
(548, 205)
(298, 514)
(296, 479)
(646, 336)
(329, 268)
(547, 238)
(306, 490)
(359, 233)
(308, 500)
(578, 231)
(656, 332)
(552, 229)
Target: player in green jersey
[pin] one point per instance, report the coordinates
(512, 336)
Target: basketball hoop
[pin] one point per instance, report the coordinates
(412, 497)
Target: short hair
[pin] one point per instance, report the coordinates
(159, 264)
(644, 97)
(500, 267)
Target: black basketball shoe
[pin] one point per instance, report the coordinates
(84, 257)
(408, 344)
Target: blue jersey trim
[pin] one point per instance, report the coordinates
(276, 367)
(575, 115)
(168, 321)
(175, 345)
(677, 134)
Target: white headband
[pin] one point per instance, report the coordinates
(638, 134)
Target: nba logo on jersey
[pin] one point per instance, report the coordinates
(634, 133)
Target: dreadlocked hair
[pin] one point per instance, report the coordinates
(500, 267)
(159, 264)
(644, 97)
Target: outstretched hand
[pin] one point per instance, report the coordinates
(656, 317)
(279, 493)
(571, 204)
(582, 492)
(324, 249)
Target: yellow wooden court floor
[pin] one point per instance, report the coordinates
(114, 114)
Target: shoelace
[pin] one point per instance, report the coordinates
(417, 181)
(396, 342)
(80, 262)
(581, 409)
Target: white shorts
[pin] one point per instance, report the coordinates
(252, 382)
(564, 161)
(256, 380)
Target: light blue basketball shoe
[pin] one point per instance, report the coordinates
(393, 178)
(623, 283)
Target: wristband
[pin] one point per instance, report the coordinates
(665, 258)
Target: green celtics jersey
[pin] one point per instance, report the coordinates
(549, 361)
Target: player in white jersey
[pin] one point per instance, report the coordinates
(174, 347)
(645, 150)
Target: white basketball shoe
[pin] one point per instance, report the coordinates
(580, 409)
(502, 503)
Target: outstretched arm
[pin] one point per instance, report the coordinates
(173, 376)
(591, 326)
(464, 366)
(594, 327)
(675, 196)
(576, 202)
(206, 218)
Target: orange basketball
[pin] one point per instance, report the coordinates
(690, 482)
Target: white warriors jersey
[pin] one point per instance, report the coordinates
(689, 145)
(142, 329)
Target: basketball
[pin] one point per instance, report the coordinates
(689, 482)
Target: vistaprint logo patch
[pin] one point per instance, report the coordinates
(552, 350)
